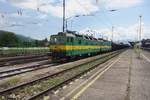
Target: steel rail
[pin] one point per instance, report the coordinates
(22, 61)
(14, 72)
(9, 90)
(67, 81)
(20, 57)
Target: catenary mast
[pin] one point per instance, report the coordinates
(64, 14)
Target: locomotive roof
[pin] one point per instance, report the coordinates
(76, 34)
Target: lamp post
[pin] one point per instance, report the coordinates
(140, 30)
(112, 34)
(140, 33)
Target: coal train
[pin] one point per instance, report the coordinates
(71, 44)
(146, 43)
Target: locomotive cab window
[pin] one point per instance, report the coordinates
(69, 39)
(53, 40)
(57, 40)
(79, 41)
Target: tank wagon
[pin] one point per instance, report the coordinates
(71, 44)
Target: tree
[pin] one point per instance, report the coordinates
(8, 39)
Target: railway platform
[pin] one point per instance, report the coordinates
(127, 77)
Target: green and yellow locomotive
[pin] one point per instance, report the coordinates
(70, 44)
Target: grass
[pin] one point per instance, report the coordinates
(10, 82)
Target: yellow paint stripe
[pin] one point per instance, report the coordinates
(90, 83)
(65, 47)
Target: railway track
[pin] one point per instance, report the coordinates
(21, 70)
(40, 87)
(21, 60)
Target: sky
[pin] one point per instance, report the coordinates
(39, 19)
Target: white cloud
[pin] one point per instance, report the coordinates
(73, 7)
(122, 33)
(146, 31)
(2, 0)
(121, 3)
(29, 4)
(42, 16)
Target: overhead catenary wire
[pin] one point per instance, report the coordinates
(104, 13)
(20, 11)
(96, 18)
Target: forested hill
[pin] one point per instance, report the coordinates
(10, 39)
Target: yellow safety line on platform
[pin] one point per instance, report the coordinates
(96, 75)
(89, 84)
(146, 57)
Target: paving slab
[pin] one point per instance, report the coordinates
(128, 79)
(140, 78)
(113, 84)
